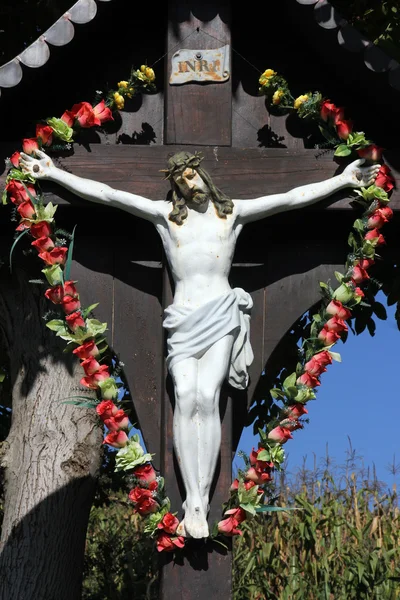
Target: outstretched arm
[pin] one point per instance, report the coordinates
(44, 168)
(354, 176)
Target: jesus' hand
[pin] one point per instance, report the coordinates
(39, 168)
(359, 176)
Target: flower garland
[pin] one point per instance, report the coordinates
(84, 334)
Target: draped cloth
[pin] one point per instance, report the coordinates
(192, 332)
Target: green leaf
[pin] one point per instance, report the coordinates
(264, 455)
(14, 244)
(339, 276)
(336, 356)
(342, 150)
(95, 327)
(20, 176)
(262, 509)
(4, 197)
(289, 381)
(359, 225)
(249, 508)
(81, 404)
(54, 274)
(55, 325)
(277, 393)
(69, 256)
(380, 311)
(89, 309)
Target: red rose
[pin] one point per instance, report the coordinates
(387, 212)
(87, 350)
(169, 523)
(106, 409)
(358, 292)
(70, 304)
(359, 274)
(292, 424)
(83, 112)
(90, 365)
(43, 244)
(297, 410)
(18, 193)
(365, 263)
(324, 358)
(92, 381)
(30, 145)
(308, 380)
(331, 112)
(102, 113)
(327, 336)
(148, 506)
(119, 420)
(68, 117)
(116, 439)
(344, 128)
(384, 179)
(138, 494)
(336, 324)
(371, 152)
(229, 526)
(375, 236)
(314, 367)
(14, 159)
(280, 435)
(258, 476)
(379, 217)
(145, 474)
(254, 456)
(165, 543)
(70, 289)
(41, 229)
(235, 485)
(55, 294)
(26, 210)
(336, 308)
(45, 133)
(74, 320)
(57, 256)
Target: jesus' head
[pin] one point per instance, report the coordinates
(192, 184)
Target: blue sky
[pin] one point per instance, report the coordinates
(359, 398)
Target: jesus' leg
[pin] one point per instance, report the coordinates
(213, 369)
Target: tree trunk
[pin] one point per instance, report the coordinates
(51, 457)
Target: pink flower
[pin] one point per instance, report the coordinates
(119, 420)
(26, 210)
(87, 350)
(165, 543)
(314, 367)
(327, 336)
(145, 474)
(41, 229)
(90, 365)
(324, 358)
(92, 381)
(336, 308)
(106, 409)
(344, 128)
(17, 192)
(308, 380)
(235, 485)
(169, 523)
(229, 526)
(68, 117)
(358, 292)
(57, 256)
(371, 152)
(43, 244)
(359, 274)
(258, 476)
(102, 113)
(74, 320)
(30, 145)
(280, 435)
(14, 159)
(116, 439)
(70, 304)
(83, 112)
(375, 236)
(297, 410)
(384, 179)
(45, 133)
(336, 324)
(379, 217)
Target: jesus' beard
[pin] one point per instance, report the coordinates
(200, 197)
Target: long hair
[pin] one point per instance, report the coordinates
(176, 165)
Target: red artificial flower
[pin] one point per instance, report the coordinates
(75, 320)
(92, 381)
(17, 192)
(102, 113)
(235, 485)
(343, 128)
(68, 117)
(314, 367)
(119, 420)
(324, 358)
(365, 263)
(43, 244)
(106, 409)
(138, 494)
(55, 294)
(358, 292)
(258, 476)
(330, 112)
(169, 523)
(308, 380)
(26, 210)
(384, 179)
(41, 229)
(297, 410)
(165, 543)
(116, 439)
(229, 526)
(375, 236)
(336, 324)
(359, 274)
(371, 152)
(83, 113)
(328, 336)
(379, 217)
(292, 424)
(90, 365)
(70, 304)
(57, 256)
(29, 145)
(336, 308)
(87, 350)
(14, 159)
(148, 506)
(280, 435)
(45, 133)
(145, 474)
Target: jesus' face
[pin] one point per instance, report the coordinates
(192, 187)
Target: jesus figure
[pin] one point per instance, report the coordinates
(208, 322)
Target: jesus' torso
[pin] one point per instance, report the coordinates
(200, 253)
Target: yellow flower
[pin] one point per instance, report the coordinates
(130, 92)
(276, 98)
(119, 100)
(268, 73)
(123, 84)
(150, 74)
(143, 68)
(140, 75)
(299, 101)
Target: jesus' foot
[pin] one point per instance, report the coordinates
(195, 522)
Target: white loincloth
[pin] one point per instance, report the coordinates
(192, 332)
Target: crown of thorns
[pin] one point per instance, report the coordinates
(182, 161)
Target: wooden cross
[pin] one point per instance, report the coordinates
(280, 261)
